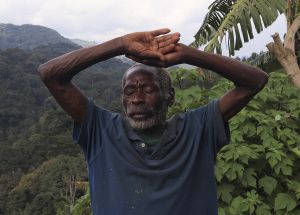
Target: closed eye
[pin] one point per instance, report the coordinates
(129, 91)
(148, 89)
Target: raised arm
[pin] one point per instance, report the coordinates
(58, 72)
(248, 79)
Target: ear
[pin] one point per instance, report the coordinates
(171, 97)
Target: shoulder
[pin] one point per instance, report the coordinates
(202, 112)
(98, 116)
(205, 114)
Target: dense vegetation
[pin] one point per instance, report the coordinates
(34, 132)
(28, 36)
(259, 171)
(43, 172)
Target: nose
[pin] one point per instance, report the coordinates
(138, 98)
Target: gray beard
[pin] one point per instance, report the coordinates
(157, 119)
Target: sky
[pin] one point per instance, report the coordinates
(102, 20)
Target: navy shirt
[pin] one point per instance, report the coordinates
(176, 178)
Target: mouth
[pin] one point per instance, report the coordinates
(139, 115)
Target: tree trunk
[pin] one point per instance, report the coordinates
(285, 53)
(297, 46)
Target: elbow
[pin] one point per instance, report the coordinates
(51, 73)
(257, 81)
(43, 72)
(262, 80)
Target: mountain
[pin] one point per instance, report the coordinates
(35, 134)
(28, 36)
(83, 43)
(125, 60)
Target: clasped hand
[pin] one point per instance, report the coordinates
(155, 48)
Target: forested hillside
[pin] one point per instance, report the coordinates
(42, 172)
(39, 164)
(28, 36)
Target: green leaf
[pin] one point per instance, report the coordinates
(268, 184)
(263, 209)
(225, 192)
(277, 117)
(285, 166)
(226, 15)
(221, 211)
(295, 186)
(249, 178)
(238, 205)
(284, 201)
(235, 170)
(296, 151)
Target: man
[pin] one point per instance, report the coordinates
(143, 164)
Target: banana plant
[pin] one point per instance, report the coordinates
(235, 19)
(262, 59)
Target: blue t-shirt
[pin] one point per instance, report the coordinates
(180, 181)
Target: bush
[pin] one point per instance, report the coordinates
(259, 171)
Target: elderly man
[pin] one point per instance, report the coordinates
(143, 164)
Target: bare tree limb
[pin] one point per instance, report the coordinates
(286, 56)
(289, 41)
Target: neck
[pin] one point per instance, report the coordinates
(155, 131)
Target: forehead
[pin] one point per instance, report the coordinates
(140, 74)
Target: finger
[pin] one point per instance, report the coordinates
(158, 32)
(168, 42)
(167, 49)
(174, 36)
(147, 62)
(164, 38)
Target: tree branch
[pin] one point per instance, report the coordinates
(277, 48)
(289, 41)
(286, 56)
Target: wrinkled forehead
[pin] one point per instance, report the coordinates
(141, 72)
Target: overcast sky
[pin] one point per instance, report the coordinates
(101, 20)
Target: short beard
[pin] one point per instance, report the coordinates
(143, 124)
(158, 118)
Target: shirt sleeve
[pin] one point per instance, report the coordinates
(88, 133)
(216, 130)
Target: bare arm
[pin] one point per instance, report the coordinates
(248, 80)
(58, 72)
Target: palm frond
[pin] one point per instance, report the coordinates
(263, 58)
(231, 18)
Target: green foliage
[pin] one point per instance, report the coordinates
(189, 86)
(285, 202)
(33, 129)
(48, 189)
(28, 36)
(234, 18)
(83, 205)
(259, 171)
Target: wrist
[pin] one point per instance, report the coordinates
(123, 44)
(195, 57)
(185, 54)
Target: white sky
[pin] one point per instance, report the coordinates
(101, 20)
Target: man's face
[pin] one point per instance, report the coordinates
(143, 101)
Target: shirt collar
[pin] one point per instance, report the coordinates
(169, 134)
